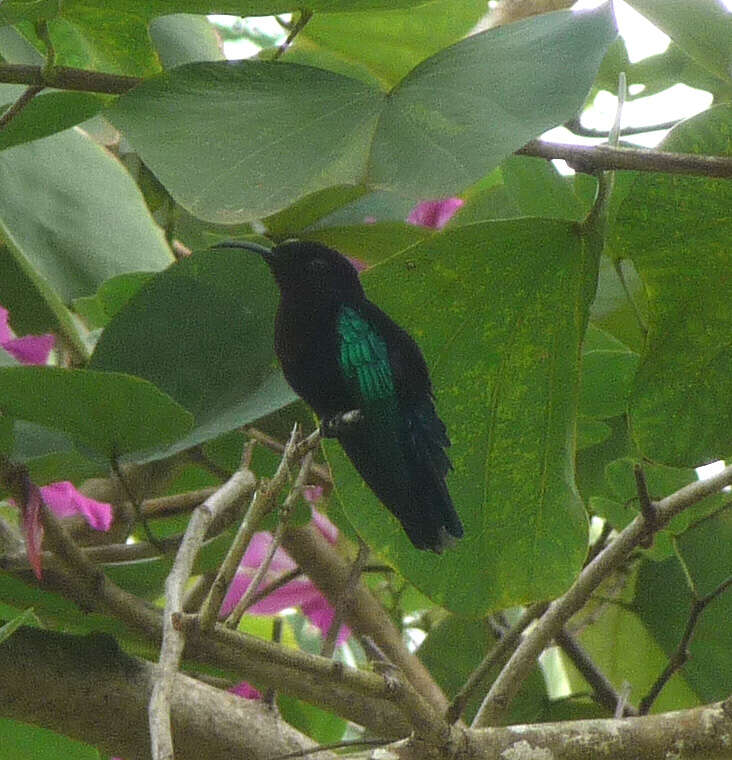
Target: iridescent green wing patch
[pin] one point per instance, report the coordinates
(364, 358)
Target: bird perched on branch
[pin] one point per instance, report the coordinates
(367, 380)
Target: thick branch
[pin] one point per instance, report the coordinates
(330, 573)
(87, 688)
(591, 158)
(60, 681)
(506, 686)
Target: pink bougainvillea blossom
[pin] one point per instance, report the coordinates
(434, 214)
(245, 690)
(32, 349)
(64, 501)
(300, 592)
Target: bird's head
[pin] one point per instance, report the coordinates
(307, 270)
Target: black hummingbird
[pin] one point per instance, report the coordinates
(340, 352)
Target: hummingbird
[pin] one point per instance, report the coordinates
(367, 381)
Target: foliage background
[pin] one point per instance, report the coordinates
(563, 348)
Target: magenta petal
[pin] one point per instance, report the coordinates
(5, 334)
(434, 214)
(257, 551)
(245, 690)
(33, 349)
(321, 615)
(65, 501)
(325, 526)
(312, 494)
(33, 527)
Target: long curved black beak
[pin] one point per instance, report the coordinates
(245, 245)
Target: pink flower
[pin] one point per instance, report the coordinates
(64, 500)
(434, 214)
(300, 592)
(33, 349)
(246, 691)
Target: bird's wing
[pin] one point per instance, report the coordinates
(364, 357)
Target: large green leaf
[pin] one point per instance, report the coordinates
(202, 331)
(663, 601)
(702, 28)
(623, 646)
(461, 112)
(72, 218)
(258, 136)
(499, 311)
(391, 43)
(109, 412)
(22, 741)
(48, 114)
(677, 232)
(255, 135)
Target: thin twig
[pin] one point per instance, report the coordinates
(295, 29)
(604, 693)
(498, 654)
(339, 615)
(591, 158)
(346, 744)
(561, 610)
(318, 470)
(262, 503)
(270, 696)
(232, 621)
(28, 94)
(575, 126)
(134, 500)
(681, 653)
(647, 507)
(171, 650)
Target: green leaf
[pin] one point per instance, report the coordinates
(591, 432)
(662, 481)
(391, 43)
(451, 666)
(72, 218)
(12, 626)
(185, 38)
(709, 537)
(109, 412)
(539, 190)
(625, 649)
(202, 331)
(505, 365)
(47, 114)
(321, 726)
(591, 461)
(51, 456)
(472, 104)
(240, 115)
(677, 231)
(663, 603)
(371, 243)
(702, 28)
(113, 294)
(608, 369)
(469, 103)
(13, 11)
(21, 741)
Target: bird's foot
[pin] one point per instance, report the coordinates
(331, 427)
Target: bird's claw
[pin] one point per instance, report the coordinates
(331, 427)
